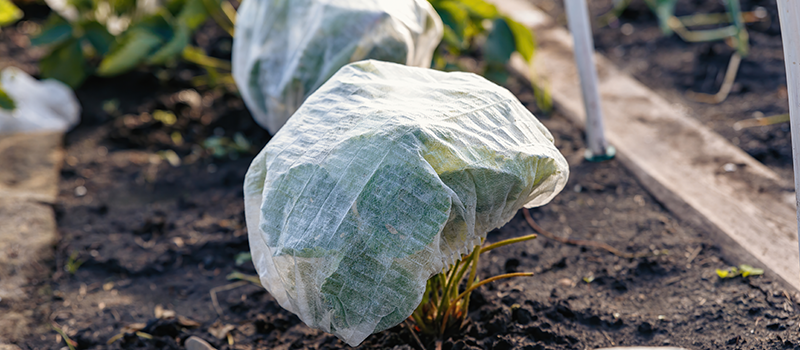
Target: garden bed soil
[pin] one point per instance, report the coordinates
(143, 242)
(672, 67)
(152, 237)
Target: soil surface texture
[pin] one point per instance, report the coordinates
(151, 223)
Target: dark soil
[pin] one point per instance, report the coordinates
(672, 67)
(143, 246)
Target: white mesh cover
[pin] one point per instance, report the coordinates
(383, 177)
(47, 105)
(285, 49)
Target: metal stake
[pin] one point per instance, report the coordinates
(578, 19)
(789, 14)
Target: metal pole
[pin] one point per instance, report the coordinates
(789, 14)
(597, 149)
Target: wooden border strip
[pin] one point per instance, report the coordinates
(750, 211)
(29, 175)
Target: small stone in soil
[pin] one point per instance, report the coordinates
(196, 343)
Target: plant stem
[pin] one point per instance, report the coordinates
(70, 342)
(414, 334)
(727, 84)
(700, 35)
(488, 280)
(507, 242)
(196, 56)
(240, 276)
(764, 121)
(219, 12)
(472, 276)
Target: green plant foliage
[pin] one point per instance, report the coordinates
(743, 270)
(9, 13)
(6, 102)
(65, 63)
(98, 37)
(134, 47)
(500, 43)
(470, 23)
(221, 146)
(242, 258)
(664, 10)
(443, 308)
(85, 46)
(73, 263)
(523, 39)
(56, 30)
(669, 23)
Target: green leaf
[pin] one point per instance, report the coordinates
(136, 46)
(480, 9)
(454, 17)
(663, 9)
(500, 43)
(6, 102)
(65, 63)
(523, 38)
(242, 258)
(82, 5)
(9, 13)
(496, 73)
(123, 6)
(174, 6)
(156, 24)
(748, 270)
(722, 273)
(56, 31)
(97, 35)
(173, 48)
(193, 14)
(451, 40)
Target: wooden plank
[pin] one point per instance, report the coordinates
(29, 174)
(684, 164)
(29, 165)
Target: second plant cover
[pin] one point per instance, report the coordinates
(284, 50)
(386, 175)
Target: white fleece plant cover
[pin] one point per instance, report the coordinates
(47, 105)
(285, 49)
(383, 177)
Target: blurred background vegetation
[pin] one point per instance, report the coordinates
(111, 37)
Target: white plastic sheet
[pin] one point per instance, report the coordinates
(284, 50)
(47, 105)
(383, 177)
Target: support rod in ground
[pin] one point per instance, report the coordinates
(579, 25)
(789, 14)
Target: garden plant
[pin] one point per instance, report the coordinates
(352, 207)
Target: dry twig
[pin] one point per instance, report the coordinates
(226, 287)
